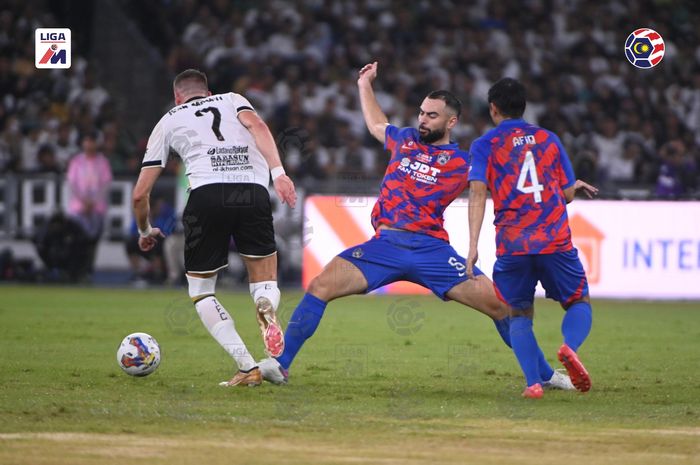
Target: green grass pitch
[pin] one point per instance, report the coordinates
(389, 380)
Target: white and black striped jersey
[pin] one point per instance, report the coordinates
(214, 145)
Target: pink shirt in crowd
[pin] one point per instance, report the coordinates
(88, 179)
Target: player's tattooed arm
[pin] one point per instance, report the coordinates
(375, 119)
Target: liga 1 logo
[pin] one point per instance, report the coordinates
(645, 48)
(52, 48)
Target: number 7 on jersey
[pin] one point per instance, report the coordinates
(529, 168)
(215, 123)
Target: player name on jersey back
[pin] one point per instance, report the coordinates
(212, 142)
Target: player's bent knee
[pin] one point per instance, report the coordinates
(498, 310)
(266, 289)
(201, 287)
(320, 287)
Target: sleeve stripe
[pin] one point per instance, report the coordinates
(146, 164)
(243, 108)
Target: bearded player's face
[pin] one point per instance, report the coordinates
(433, 120)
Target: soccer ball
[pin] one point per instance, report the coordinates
(138, 354)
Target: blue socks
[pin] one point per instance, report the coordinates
(577, 324)
(543, 366)
(503, 328)
(526, 349)
(301, 326)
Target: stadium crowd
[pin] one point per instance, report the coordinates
(297, 62)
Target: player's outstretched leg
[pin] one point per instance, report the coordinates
(220, 325)
(338, 279)
(575, 327)
(479, 293)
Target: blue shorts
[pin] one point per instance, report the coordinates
(561, 274)
(408, 256)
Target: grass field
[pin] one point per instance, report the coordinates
(385, 380)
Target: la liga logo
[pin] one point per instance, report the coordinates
(645, 48)
(52, 47)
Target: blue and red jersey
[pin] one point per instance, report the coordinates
(420, 182)
(526, 169)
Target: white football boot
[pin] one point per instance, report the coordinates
(273, 372)
(558, 381)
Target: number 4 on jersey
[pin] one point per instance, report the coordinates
(529, 168)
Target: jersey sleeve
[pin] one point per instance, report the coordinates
(391, 136)
(158, 148)
(478, 160)
(567, 178)
(240, 103)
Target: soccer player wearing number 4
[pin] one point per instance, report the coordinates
(229, 154)
(531, 181)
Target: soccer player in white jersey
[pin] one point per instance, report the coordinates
(229, 153)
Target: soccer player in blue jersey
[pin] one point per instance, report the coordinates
(425, 174)
(531, 180)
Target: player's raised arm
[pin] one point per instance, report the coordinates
(266, 144)
(375, 119)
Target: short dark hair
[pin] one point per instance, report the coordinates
(193, 75)
(449, 98)
(509, 96)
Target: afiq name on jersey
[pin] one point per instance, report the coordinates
(521, 140)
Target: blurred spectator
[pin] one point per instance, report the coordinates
(677, 175)
(174, 243)
(64, 145)
(585, 164)
(60, 244)
(90, 93)
(46, 160)
(608, 142)
(89, 177)
(34, 138)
